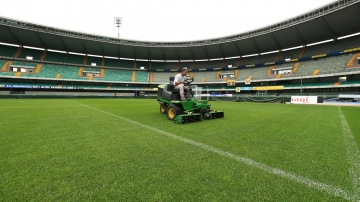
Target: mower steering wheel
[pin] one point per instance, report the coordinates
(187, 82)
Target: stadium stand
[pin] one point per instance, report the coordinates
(335, 63)
(268, 57)
(346, 43)
(55, 57)
(129, 64)
(96, 60)
(206, 76)
(295, 53)
(142, 76)
(116, 75)
(256, 73)
(110, 62)
(350, 82)
(144, 64)
(23, 63)
(74, 59)
(162, 77)
(309, 84)
(157, 65)
(249, 60)
(233, 62)
(209, 64)
(8, 51)
(172, 66)
(318, 49)
(35, 54)
(189, 65)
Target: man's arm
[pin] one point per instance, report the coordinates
(177, 80)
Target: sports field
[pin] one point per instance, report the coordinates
(126, 150)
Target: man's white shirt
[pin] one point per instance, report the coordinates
(179, 78)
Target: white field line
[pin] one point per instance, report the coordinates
(332, 190)
(353, 155)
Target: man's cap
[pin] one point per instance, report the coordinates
(185, 68)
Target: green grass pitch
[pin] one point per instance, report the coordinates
(126, 150)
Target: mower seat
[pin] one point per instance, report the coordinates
(171, 85)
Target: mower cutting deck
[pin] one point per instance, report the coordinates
(179, 111)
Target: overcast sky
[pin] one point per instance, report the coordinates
(158, 20)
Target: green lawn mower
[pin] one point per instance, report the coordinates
(192, 110)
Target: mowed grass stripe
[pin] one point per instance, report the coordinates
(333, 190)
(353, 155)
(58, 150)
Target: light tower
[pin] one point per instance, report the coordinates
(118, 22)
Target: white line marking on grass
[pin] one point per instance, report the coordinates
(353, 155)
(288, 175)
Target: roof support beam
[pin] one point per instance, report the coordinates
(102, 49)
(299, 35)
(238, 49)
(326, 25)
(42, 43)
(222, 51)
(13, 35)
(276, 41)
(163, 53)
(83, 45)
(206, 52)
(149, 52)
(192, 54)
(256, 46)
(118, 50)
(177, 53)
(357, 8)
(63, 43)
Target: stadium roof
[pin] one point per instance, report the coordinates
(336, 19)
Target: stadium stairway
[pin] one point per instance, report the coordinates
(302, 52)
(270, 70)
(352, 60)
(316, 72)
(296, 66)
(81, 71)
(151, 77)
(133, 76)
(18, 52)
(236, 73)
(43, 55)
(38, 68)
(6, 65)
(191, 75)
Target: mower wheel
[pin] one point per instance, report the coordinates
(163, 108)
(207, 115)
(172, 111)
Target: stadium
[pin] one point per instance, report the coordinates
(80, 119)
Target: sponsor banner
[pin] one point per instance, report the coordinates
(19, 86)
(217, 95)
(237, 89)
(292, 60)
(269, 88)
(318, 56)
(304, 99)
(245, 88)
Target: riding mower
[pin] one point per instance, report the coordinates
(192, 110)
